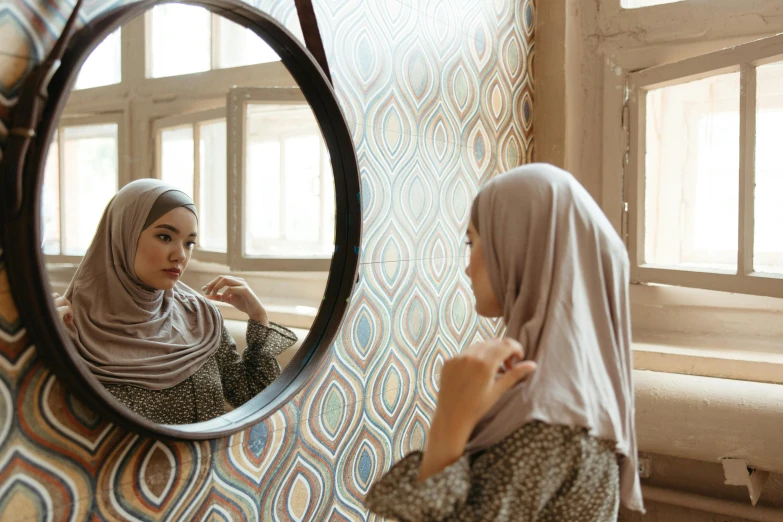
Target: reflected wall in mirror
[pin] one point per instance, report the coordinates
(171, 132)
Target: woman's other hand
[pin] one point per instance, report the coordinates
(239, 295)
(470, 384)
(64, 309)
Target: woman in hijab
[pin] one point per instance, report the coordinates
(538, 426)
(155, 344)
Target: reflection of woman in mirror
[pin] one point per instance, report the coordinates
(157, 345)
(539, 425)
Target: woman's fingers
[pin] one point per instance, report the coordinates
(65, 313)
(61, 301)
(207, 288)
(517, 373)
(226, 296)
(496, 351)
(220, 282)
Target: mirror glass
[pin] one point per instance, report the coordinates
(182, 122)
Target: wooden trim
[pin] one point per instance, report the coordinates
(635, 176)
(770, 285)
(614, 140)
(236, 128)
(134, 62)
(61, 181)
(728, 60)
(747, 170)
(235, 157)
(190, 118)
(214, 42)
(196, 163)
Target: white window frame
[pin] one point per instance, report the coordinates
(214, 47)
(237, 102)
(744, 59)
(193, 120)
(118, 118)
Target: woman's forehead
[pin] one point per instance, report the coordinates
(180, 215)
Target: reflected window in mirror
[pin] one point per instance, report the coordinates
(276, 231)
(192, 156)
(185, 40)
(104, 66)
(287, 159)
(81, 176)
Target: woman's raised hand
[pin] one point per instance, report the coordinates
(470, 384)
(238, 294)
(64, 309)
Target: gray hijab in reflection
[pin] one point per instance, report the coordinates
(561, 273)
(126, 332)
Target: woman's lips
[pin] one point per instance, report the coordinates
(173, 273)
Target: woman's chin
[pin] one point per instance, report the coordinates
(167, 285)
(487, 311)
(161, 284)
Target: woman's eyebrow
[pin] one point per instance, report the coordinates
(174, 229)
(168, 227)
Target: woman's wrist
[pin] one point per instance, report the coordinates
(260, 317)
(446, 443)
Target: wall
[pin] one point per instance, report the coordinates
(439, 96)
(570, 133)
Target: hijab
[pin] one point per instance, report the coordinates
(126, 331)
(561, 274)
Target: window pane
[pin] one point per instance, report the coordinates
(262, 196)
(103, 66)
(90, 172)
(768, 247)
(239, 46)
(287, 166)
(302, 187)
(50, 208)
(177, 158)
(181, 40)
(692, 167)
(212, 186)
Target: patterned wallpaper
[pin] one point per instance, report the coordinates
(439, 96)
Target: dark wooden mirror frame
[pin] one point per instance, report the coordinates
(21, 233)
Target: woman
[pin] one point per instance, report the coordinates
(538, 426)
(157, 345)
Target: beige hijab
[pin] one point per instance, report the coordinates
(561, 273)
(126, 332)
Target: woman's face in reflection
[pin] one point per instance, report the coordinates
(165, 247)
(486, 302)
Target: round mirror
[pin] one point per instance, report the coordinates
(189, 226)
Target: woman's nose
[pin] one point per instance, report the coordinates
(178, 254)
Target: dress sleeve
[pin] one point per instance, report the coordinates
(245, 376)
(399, 495)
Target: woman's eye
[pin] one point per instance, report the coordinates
(469, 243)
(191, 244)
(164, 237)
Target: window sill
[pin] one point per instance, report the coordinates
(743, 363)
(707, 333)
(291, 316)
